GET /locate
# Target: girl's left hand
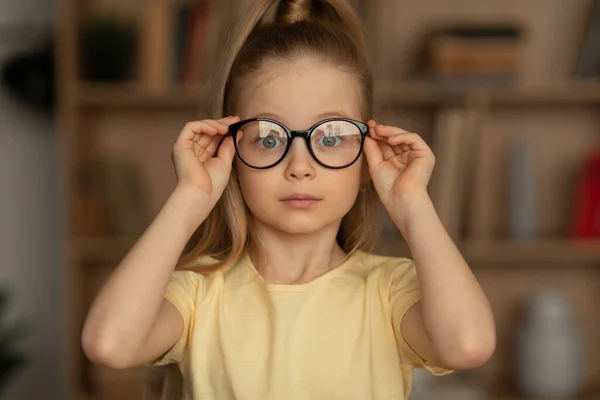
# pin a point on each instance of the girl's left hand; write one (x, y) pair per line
(400, 162)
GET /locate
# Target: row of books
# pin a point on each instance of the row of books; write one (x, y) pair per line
(176, 40)
(180, 39)
(459, 188)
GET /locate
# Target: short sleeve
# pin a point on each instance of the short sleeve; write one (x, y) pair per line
(182, 291)
(404, 293)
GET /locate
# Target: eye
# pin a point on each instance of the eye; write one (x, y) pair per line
(329, 141)
(269, 142)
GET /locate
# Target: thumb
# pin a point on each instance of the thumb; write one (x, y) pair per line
(227, 150)
(373, 153)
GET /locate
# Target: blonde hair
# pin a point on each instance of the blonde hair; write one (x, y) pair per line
(326, 30)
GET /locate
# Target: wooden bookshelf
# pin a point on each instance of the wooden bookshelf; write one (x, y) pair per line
(139, 120)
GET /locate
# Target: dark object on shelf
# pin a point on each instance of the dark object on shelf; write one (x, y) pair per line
(108, 47)
(29, 77)
(12, 359)
(465, 56)
(589, 63)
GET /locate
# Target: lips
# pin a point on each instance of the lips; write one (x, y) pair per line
(300, 201)
(300, 196)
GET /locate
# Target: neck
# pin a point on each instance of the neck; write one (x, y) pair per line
(284, 258)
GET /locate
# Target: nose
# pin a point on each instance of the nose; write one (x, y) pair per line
(300, 163)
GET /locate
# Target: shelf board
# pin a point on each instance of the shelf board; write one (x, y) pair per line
(555, 252)
(476, 252)
(543, 252)
(132, 96)
(392, 94)
(423, 94)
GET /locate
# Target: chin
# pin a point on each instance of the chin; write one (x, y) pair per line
(298, 222)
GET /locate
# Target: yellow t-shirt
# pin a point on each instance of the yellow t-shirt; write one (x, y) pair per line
(336, 337)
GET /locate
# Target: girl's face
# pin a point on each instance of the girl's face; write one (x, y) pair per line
(299, 95)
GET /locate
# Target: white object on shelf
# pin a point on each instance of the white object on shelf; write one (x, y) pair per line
(550, 348)
(427, 386)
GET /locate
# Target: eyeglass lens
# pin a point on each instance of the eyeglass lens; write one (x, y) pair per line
(333, 143)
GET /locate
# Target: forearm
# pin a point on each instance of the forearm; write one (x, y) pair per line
(125, 310)
(455, 311)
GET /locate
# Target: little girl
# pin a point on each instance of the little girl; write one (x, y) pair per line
(276, 295)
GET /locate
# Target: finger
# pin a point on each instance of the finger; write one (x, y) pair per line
(224, 123)
(373, 152)
(222, 127)
(387, 150)
(215, 124)
(388, 131)
(412, 140)
(206, 140)
(201, 127)
(201, 131)
(227, 150)
(229, 120)
(192, 131)
(209, 150)
(372, 131)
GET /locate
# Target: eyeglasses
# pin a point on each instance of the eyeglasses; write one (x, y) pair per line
(334, 142)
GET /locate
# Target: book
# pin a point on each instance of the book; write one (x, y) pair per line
(156, 41)
(451, 145)
(586, 212)
(589, 62)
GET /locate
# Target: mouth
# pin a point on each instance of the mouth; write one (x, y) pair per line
(300, 201)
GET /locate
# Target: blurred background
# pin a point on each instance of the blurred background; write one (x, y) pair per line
(94, 92)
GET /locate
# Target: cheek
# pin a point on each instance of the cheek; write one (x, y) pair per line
(254, 184)
(344, 185)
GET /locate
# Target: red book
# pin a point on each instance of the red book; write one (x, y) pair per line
(586, 222)
(195, 47)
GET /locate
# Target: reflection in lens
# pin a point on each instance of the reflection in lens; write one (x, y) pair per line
(336, 143)
(262, 143)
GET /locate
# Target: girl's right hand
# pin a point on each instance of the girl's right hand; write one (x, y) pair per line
(193, 153)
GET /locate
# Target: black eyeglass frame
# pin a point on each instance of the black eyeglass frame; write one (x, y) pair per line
(364, 131)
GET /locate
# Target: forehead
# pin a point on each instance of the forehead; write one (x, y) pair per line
(300, 93)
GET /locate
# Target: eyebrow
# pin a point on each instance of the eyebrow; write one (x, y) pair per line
(328, 114)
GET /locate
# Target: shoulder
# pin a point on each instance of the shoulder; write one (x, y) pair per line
(206, 271)
(389, 274)
(386, 266)
(195, 273)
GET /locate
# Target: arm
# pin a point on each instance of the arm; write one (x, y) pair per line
(453, 325)
(130, 322)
